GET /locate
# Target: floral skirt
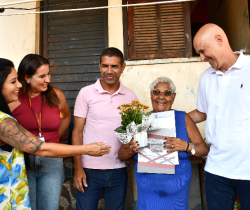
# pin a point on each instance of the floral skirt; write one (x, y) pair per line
(14, 192)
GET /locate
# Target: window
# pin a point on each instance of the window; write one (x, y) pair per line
(158, 31)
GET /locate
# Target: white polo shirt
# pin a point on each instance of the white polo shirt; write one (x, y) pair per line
(225, 98)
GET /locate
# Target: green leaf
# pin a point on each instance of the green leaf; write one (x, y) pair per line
(123, 117)
(2, 190)
(121, 129)
(139, 120)
(128, 121)
(7, 207)
(149, 113)
(124, 123)
(130, 115)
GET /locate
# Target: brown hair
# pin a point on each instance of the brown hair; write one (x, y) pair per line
(28, 66)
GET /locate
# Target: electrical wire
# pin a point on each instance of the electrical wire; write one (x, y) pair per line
(46, 6)
(94, 8)
(18, 2)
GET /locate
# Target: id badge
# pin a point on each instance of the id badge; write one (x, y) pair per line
(42, 138)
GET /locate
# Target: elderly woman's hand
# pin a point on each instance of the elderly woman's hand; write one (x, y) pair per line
(175, 144)
(126, 151)
(133, 145)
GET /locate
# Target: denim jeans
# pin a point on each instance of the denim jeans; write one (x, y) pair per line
(45, 180)
(113, 182)
(221, 192)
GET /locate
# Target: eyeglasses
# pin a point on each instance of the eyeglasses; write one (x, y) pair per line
(166, 93)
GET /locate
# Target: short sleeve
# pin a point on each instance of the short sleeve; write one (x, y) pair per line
(3, 116)
(81, 105)
(201, 102)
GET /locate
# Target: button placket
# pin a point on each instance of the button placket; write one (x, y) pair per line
(111, 100)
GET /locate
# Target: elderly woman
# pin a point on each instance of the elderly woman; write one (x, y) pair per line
(167, 191)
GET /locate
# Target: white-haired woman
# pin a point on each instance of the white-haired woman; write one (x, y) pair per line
(167, 191)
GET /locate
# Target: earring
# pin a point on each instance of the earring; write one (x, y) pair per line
(28, 82)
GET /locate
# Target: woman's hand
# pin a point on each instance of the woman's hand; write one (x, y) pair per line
(175, 144)
(97, 149)
(126, 151)
(133, 145)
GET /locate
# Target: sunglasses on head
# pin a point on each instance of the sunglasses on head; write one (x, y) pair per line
(166, 93)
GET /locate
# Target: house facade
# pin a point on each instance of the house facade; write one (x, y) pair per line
(156, 41)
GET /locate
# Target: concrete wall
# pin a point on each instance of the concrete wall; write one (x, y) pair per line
(185, 75)
(115, 25)
(19, 34)
(233, 17)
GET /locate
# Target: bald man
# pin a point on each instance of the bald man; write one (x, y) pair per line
(224, 102)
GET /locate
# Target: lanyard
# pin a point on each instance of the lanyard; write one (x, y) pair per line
(38, 118)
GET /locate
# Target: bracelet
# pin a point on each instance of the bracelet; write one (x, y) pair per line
(187, 147)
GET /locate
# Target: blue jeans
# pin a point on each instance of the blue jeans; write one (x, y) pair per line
(113, 182)
(221, 192)
(45, 180)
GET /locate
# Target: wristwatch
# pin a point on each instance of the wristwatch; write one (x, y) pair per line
(192, 151)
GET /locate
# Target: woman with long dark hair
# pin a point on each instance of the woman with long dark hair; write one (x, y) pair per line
(14, 139)
(42, 110)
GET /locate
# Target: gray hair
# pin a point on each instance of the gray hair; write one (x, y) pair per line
(162, 79)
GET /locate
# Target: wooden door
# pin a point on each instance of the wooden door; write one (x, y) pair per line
(73, 41)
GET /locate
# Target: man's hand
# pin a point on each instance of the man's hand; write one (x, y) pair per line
(80, 179)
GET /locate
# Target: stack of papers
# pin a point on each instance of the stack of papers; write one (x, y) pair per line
(154, 157)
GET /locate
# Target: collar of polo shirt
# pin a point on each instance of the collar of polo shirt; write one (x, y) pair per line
(238, 64)
(100, 89)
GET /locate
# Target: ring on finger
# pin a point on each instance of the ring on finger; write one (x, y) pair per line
(172, 146)
(131, 147)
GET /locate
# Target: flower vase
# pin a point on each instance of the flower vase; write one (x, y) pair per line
(141, 138)
(123, 137)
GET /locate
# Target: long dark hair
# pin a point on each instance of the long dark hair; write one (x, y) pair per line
(28, 66)
(5, 69)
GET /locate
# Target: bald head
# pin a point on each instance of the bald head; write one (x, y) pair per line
(210, 33)
(212, 44)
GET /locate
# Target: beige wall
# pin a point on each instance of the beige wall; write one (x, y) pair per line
(18, 35)
(185, 76)
(233, 17)
(115, 25)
